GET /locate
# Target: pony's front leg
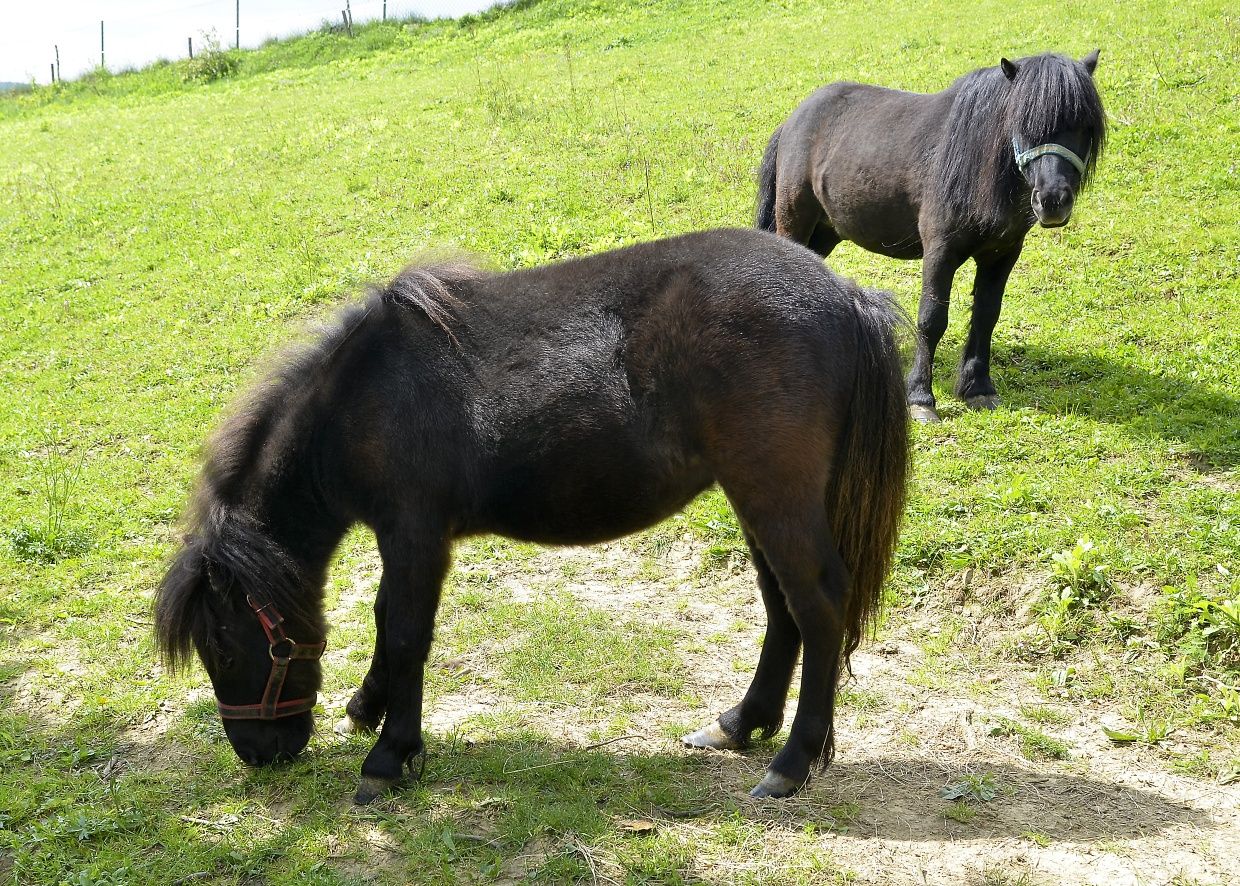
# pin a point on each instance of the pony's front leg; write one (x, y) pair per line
(973, 383)
(413, 573)
(937, 269)
(367, 706)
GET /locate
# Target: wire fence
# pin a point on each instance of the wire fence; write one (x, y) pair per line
(41, 47)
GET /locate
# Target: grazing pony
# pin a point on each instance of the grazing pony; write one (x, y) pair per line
(568, 404)
(959, 174)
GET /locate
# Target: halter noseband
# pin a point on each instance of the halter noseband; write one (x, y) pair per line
(1024, 158)
(282, 651)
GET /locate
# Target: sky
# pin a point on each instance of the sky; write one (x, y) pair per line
(137, 32)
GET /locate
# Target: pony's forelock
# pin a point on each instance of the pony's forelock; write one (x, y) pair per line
(1053, 92)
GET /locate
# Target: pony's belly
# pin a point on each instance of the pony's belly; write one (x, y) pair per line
(896, 249)
(875, 232)
(876, 218)
(590, 504)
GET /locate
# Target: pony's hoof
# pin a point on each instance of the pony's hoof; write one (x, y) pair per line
(983, 402)
(371, 787)
(924, 414)
(776, 786)
(712, 737)
(346, 725)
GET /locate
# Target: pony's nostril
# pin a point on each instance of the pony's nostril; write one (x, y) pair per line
(1052, 202)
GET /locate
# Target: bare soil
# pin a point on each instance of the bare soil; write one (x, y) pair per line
(919, 721)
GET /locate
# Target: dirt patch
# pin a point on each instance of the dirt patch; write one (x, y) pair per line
(924, 711)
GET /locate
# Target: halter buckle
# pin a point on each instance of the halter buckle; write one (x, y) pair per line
(271, 649)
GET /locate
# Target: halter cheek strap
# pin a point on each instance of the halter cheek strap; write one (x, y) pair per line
(283, 651)
(1024, 158)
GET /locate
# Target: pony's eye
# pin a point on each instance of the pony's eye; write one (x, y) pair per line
(217, 647)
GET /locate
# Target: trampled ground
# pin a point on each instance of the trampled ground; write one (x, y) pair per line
(1060, 654)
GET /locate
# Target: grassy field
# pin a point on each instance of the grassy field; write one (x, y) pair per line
(1055, 693)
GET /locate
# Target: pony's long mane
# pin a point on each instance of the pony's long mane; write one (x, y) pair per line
(974, 168)
(228, 552)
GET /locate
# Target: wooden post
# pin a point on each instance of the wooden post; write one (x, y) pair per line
(52, 65)
(385, 10)
(102, 63)
(238, 46)
(57, 47)
(348, 25)
(191, 47)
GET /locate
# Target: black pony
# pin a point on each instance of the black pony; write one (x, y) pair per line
(568, 404)
(959, 174)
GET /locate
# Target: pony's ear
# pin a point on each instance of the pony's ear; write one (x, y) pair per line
(1009, 68)
(1091, 61)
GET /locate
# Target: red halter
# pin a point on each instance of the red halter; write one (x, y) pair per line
(282, 651)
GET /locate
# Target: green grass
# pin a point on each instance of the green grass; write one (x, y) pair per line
(162, 234)
(1034, 743)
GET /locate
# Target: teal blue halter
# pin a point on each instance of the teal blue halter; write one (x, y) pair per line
(1024, 158)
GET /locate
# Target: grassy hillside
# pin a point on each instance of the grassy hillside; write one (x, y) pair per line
(1069, 562)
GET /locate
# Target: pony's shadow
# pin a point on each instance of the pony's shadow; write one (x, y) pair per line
(868, 797)
(1171, 407)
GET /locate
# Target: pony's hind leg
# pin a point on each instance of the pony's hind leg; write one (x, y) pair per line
(365, 709)
(763, 705)
(798, 215)
(815, 584)
(824, 239)
(780, 498)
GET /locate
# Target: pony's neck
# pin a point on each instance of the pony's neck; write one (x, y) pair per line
(274, 466)
(302, 522)
(285, 493)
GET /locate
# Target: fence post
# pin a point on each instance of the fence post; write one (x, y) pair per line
(238, 24)
(57, 47)
(103, 64)
(191, 47)
(52, 65)
(385, 10)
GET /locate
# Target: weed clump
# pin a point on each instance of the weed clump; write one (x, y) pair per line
(1079, 583)
(52, 538)
(1203, 632)
(213, 62)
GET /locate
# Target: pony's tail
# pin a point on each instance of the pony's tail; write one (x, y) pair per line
(865, 497)
(764, 217)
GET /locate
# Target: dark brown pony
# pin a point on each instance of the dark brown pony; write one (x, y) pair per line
(959, 174)
(567, 404)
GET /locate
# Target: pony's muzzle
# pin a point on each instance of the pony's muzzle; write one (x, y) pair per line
(1052, 206)
(262, 743)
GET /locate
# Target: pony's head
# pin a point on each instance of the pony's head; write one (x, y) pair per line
(1057, 129)
(1037, 124)
(234, 597)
